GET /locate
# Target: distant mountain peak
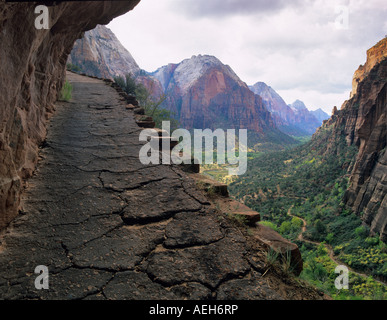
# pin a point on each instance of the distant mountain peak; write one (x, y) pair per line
(298, 105)
(266, 92)
(260, 85)
(320, 114)
(188, 71)
(295, 118)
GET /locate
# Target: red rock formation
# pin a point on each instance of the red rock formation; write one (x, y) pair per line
(31, 75)
(215, 101)
(204, 93)
(362, 122)
(153, 85)
(374, 55)
(367, 194)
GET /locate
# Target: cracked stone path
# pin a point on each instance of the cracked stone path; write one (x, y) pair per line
(108, 227)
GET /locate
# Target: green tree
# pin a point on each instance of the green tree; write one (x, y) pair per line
(285, 227)
(127, 83)
(329, 238)
(120, 81)
(321, 250)
(320, 273)
(130, 84)
(320, 227)
(361, 232)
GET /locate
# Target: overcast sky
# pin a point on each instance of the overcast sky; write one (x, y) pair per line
(304, 49)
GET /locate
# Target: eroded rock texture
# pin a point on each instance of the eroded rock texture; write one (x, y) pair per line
(374, 55)
(31, 75)
(109, 227)
(367, 193)
(362, 123)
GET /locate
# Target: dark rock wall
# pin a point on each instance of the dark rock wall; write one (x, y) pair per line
(32, 72)
(367, 194)
(362, 121)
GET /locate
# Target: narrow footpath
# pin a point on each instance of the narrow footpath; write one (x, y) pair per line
(107, 227)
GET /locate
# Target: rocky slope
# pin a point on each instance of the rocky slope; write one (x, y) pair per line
(362, 123)
(31, 75)
(367, 194)
(99, 53)
(293, 119)
(111, 228)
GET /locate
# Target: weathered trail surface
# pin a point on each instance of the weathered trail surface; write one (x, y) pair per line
(108, 227)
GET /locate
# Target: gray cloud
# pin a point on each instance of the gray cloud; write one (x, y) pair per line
(220, 8)
(293, 46)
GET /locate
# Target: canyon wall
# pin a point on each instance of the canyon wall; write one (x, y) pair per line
(374, 55)
(32, 72)
(205, 93)
(362, 122)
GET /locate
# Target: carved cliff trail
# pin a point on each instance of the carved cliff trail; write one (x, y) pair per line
(108, 227)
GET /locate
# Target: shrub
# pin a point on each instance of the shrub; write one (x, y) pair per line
(361, 232)
(269, 224)
(151, 104)
(66, 92)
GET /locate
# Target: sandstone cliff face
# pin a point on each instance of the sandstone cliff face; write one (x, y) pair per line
(362, 121)
(374, 55)
(31, 75)
(367, 194)
(100, 54)
(205, 93)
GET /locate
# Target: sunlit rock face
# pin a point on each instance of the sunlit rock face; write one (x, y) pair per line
(205, 93)
(374, 55)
